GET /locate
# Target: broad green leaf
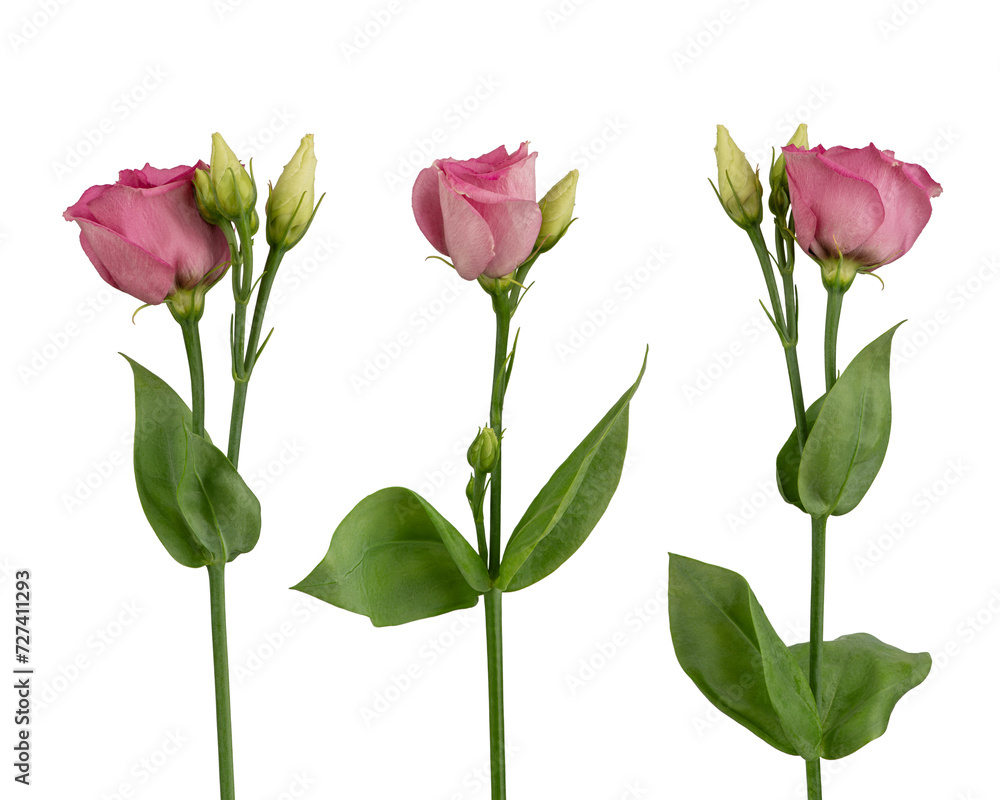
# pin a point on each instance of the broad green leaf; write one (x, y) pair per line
(568, 507)
(727, 646)
(160, 453)
(395, 559)
(847, 443)
(216, 503)
(863, 679)
(790, 456)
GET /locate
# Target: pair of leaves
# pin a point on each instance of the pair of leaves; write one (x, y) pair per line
(726, 645)
(848, 434)
(194, 499)
(395, 559)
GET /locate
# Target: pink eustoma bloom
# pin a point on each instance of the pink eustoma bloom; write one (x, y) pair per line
(481, 213)
(144, 234)
(859, 203)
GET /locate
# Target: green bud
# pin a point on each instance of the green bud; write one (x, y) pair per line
(557, 211)
(739, 186)
(289, 207)
(235, 192)
(204, 195)
(484, 450)
(779, 200)
(470, 489)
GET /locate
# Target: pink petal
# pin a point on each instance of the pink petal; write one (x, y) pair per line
(427, 207)
(515, 225)
(468, 240)
(834, 208)
(906, 203)
(124, 265)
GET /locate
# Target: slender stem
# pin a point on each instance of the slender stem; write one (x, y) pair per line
(787, 322)
(494, 629)
(501, 306)
(274, 257)
(494, 666)
(834, 301)
(192, 344)
(814, 782)
(817, 588)
(220, 659)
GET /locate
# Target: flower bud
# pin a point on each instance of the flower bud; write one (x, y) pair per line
(739, 186)
(289, 207)
(204, 195)
(235, 193)
(484, 450)
(778, 202)
(557, 211)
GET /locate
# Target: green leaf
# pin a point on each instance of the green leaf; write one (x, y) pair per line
(790, 456)
(395, 559)
(727, 646)
(847, 443)
(160, 453)
(216, 503)
(568, 507)
(863, 679)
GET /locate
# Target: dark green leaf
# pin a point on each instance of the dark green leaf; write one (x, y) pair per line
(790, 456)
(727, 646)
(568, 507)
(160, 452)
(395, 559)
(863, 679)
(846, 446)
(216, 503)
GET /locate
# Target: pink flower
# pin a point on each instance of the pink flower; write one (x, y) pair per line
(481, 213)
(862, 203)
(144, 234)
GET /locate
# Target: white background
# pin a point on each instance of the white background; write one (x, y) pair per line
(629, 93)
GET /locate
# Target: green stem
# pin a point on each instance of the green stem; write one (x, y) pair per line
(786, 319)
(192, 344)
(248, 361)
(220, 659)
(834, 301)
(817, 588)
(814, 781)
(494, 666)
(494, 629)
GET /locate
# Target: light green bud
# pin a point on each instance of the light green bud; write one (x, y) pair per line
(235, 192)
(289, 207)
(557, 211)
(779, 201)
(484, 450)
(739, 187)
